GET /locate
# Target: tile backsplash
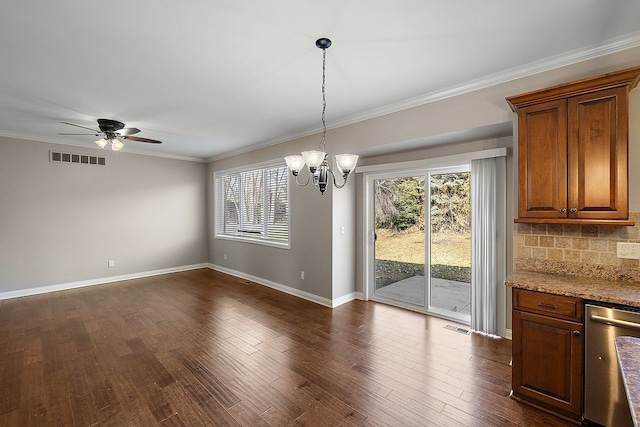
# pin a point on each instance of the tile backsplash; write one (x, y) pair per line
(580, 250)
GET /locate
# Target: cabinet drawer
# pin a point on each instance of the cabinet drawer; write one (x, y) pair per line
(558, 306)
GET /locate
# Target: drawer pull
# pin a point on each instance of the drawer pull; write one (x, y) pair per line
(551, 306)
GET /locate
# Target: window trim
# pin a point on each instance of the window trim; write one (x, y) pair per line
(218, 175)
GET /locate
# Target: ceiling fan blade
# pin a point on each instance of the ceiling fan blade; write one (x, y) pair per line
(128, 131)
(136, 138)
(95, 134)
(83, 127)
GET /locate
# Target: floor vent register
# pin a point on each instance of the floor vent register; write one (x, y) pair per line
(457, 329)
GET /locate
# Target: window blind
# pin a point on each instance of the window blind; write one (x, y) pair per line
(253, 204)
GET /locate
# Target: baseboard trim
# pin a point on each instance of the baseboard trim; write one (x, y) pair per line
(287, 289)
(344, 299)
(100, 281)
(111, 279)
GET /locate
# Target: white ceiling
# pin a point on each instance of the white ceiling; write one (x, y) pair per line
(214, 77)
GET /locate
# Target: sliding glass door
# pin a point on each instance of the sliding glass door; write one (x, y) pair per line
(450, 244)
(421, 239)
(400, 239)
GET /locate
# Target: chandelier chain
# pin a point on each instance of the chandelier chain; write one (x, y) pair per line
(324, 100)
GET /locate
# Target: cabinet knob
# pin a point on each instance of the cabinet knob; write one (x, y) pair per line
(563, 210)
(574, 210)
(577, 333)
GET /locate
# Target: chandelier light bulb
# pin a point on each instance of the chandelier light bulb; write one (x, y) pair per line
(295, 163)
(313, 158)
(346, 162)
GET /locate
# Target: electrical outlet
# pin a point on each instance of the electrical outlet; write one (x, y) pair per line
(111, 263)
(628, 250)
(225, 257)
(302, 275)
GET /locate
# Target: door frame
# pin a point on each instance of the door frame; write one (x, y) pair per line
(369, 229)
(413, 165)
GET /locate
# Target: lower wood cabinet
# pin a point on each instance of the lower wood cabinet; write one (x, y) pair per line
(548, 347)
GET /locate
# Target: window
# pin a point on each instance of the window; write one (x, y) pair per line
(253, 204)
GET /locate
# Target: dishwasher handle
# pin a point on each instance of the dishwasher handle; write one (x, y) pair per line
(615, 322)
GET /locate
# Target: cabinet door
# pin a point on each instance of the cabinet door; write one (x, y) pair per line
(547, 361)
(542, 160)
(598, 127)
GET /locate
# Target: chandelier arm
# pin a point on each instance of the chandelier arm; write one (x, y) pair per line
(305, 184)
(335, 184)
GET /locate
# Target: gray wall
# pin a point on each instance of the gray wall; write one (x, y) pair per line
(61, 223)
(314, 232)
(311, 219)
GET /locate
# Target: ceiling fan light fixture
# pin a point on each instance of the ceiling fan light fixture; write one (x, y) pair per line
(102, 143)
(116, 144)
(113, 132)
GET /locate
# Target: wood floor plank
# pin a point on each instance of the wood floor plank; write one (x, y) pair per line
(319, 404)
(84, 413)
(159, 404)
(79, 334)
(11, 385)
(32, 381)
(32, 346)
(204, 348)
(214, 386)
(50, 352)
(274, 407)
(98, 382)
(245, 416)
(57, 398)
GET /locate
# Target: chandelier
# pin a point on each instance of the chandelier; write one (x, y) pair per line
(316, 160)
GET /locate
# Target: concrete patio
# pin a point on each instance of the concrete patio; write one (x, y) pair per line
(445, 294)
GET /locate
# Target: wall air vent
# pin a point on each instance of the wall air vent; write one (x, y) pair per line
(80, 159)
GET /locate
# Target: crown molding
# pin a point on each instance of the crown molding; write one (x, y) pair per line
(608, 47)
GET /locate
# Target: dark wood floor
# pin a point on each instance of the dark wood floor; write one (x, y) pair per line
(201, 348)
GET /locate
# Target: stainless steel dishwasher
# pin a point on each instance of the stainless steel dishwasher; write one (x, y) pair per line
(605, 401)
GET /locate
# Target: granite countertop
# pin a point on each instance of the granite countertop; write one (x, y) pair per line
(628, 349)
(603, 290)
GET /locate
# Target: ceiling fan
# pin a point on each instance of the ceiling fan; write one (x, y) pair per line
(112, 132)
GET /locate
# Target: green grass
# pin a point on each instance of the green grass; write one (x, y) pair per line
(446, 249)
(401, 255)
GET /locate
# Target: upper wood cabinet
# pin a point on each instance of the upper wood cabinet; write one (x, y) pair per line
(573, 150)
